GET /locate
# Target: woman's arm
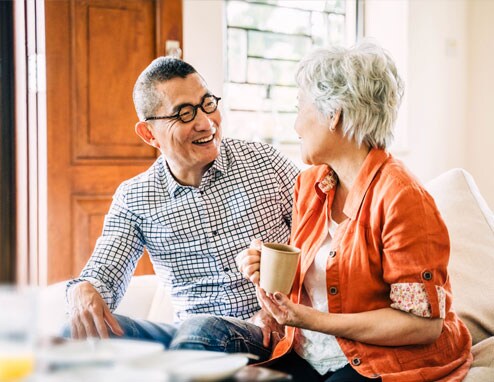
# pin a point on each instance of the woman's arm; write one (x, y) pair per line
(383, 327)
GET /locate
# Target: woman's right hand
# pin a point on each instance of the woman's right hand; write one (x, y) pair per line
(249, 261)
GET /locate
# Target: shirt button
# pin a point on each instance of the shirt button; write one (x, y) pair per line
(332, 254)
(226, 269)
(214, 233)
(333, 290)
(427, 275)
(356, 361)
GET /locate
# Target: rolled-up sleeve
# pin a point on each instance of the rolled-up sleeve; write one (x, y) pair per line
(415, 254)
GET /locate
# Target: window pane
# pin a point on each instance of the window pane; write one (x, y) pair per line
(313, 5)
(336, 26)
(287, 131)
(272, 45)
(284, 98)
(266, 40)
(268, 18)
(271, 71)
(328, 29)
(237, 55)
(244, 96)
(335, 6)
(241, 125)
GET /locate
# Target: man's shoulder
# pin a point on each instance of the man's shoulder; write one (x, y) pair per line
(145, 181)
(251, 154)
(252, 149)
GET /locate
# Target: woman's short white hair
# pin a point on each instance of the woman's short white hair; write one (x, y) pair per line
(362, 82)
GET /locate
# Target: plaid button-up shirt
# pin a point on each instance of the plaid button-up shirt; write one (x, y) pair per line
(193, 234)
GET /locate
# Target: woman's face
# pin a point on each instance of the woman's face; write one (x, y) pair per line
(313, 130)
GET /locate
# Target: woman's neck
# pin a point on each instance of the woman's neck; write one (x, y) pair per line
(347, 167)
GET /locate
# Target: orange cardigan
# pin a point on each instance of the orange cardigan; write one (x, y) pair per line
(394, 234)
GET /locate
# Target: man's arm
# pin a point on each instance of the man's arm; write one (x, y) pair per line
(105, 278)
(286, 173)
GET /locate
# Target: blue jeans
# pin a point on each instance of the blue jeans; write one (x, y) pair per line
(204, 332)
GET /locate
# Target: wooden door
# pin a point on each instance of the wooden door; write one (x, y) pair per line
(95, 49)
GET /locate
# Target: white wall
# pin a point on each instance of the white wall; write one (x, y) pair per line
(480, 103)
(446, 47)
(204, 48)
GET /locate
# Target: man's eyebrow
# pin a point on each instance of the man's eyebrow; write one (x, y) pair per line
(179, 106)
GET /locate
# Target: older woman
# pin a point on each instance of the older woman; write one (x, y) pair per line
(372, 298)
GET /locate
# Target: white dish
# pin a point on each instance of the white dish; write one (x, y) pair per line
(104, 351)
(194, 365)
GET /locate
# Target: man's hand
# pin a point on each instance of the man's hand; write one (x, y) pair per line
(284, 311)
(249, 261)
(89, 315)
(272, 332)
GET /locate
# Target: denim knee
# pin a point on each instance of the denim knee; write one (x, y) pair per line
(203, 333)
(225, 334)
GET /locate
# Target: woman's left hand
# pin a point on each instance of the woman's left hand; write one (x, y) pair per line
(283, 310)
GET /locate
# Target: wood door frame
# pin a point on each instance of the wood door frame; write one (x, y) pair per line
(30, 122)
(7, 145)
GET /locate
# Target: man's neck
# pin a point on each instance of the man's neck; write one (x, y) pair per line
(188, 177)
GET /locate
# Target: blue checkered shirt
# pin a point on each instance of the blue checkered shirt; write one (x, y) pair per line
(193, 234)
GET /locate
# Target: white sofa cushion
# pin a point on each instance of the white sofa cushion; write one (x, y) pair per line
(470, 224)
(143, 299)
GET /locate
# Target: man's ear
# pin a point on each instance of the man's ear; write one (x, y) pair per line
(142, 129)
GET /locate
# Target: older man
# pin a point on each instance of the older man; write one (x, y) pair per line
(202, 201)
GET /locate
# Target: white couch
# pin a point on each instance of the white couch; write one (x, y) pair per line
(471, 227)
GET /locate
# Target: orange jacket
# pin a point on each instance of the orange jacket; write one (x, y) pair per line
(394, 234)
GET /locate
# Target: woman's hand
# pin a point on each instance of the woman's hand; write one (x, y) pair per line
(283, 310)
(249, 261)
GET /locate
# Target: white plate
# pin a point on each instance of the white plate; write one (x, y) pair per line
(194, 365)
(98, 351)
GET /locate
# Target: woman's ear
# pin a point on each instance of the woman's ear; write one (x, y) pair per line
(334, 120)
(142, 130)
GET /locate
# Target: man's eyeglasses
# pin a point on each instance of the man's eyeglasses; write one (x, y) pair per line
(187, 113)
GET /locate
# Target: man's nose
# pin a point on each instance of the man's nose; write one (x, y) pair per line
(202, 121)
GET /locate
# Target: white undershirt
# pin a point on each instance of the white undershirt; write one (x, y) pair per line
(320, 350)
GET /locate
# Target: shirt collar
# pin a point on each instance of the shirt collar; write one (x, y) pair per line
(220, 166)
(326, 184)
(372, 163)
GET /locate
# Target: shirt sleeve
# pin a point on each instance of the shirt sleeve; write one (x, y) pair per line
(416, 254)
(116, 253)
(286, 173)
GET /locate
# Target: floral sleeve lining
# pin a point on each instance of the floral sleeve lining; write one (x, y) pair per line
(412, 298)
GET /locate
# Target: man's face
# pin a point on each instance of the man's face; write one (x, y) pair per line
(188, 147)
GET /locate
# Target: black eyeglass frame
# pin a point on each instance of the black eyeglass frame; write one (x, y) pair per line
(194, 108)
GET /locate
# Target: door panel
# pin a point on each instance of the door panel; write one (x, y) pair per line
(111, 40)
(95, 49)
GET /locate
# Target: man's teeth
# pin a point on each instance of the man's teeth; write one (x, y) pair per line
(205, 140)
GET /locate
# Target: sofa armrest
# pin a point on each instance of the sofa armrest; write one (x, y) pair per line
(136, 304)
(482, 369)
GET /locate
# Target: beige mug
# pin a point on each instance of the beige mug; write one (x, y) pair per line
(278, 267)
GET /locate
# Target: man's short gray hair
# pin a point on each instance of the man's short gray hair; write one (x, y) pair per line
(147, 98)
(362, 82)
